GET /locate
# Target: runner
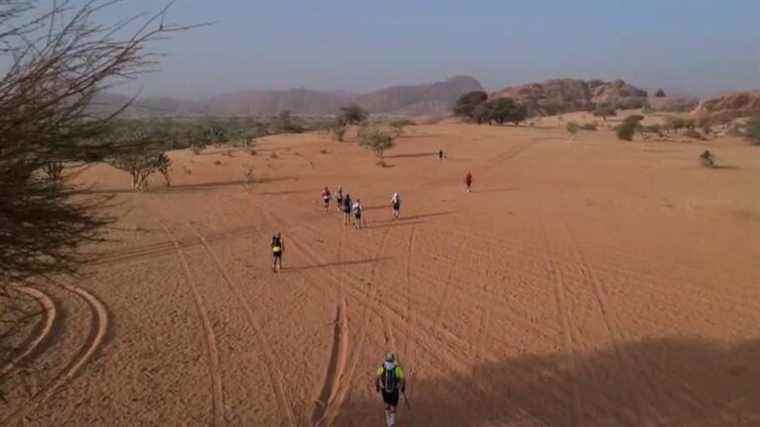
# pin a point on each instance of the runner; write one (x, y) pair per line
(278, 247)
(358, 210)
(326, 197)
(390, 380)
(339, 198)
(396, 205)
(440, 154)
(468, 181)
(347, 205)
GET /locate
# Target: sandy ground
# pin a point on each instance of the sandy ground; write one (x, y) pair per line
(586, 283)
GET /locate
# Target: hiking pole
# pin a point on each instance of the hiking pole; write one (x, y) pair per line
(406, 401)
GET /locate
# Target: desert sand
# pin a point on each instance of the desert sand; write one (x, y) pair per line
(584, 283)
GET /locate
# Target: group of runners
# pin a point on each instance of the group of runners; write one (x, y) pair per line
(353, 210)
(390, 380)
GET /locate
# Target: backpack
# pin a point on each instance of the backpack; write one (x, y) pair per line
(389, 380)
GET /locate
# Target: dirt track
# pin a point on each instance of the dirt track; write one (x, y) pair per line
(584, 283)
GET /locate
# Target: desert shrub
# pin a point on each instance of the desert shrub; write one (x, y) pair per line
(708, 159)
(467, 103)
(654, 128)
(693, 133)
(752, 130)
(604, 111)
(339, 132)
(252, 152)
(217, 163)
(572, 128)
(375, 139)
(589, 126)
(647, 109)
(398, 126)
(659, 94)
(141, 165)
(352, 115)
(197, 148)
(249, 176)
(629, 127)
(323, 151)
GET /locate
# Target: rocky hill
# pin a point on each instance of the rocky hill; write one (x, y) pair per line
(730, 106)
(567, 95)
(433, 98)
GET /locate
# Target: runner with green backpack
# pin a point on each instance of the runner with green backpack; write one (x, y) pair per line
(389, 382)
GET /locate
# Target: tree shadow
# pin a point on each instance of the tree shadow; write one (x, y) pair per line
(202, 186)
(387, 224)
(335, 264)
(674, 381)
(410, 155)
(495, 190)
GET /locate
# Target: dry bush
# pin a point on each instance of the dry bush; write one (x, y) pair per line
(693, 133)
(218, 162)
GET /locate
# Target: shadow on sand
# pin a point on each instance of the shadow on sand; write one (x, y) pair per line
(203, 186)
(335, 264)
(674, 382)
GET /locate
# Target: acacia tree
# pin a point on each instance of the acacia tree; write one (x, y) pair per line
(467, 104)
(375, 139)
(352, 115)
(54, 62)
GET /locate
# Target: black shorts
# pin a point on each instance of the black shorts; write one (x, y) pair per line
(277, 254)
(396, 206)
(390, 399)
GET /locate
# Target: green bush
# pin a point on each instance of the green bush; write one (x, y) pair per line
(572, 128)
(375, 139)
(629, 127)
(752, 131)
(467, 103)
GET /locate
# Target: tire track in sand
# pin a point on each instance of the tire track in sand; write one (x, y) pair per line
(275, 378)
(325, 408)
(212, 351)
(564, 320)
(50, 314)
(98, 329)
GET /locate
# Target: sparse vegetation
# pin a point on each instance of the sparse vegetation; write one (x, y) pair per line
(398, 126)
(694, 134)
(506, 110)
(339, 132)
(54, 171)
(589, 126)
(375, 139)
(604, 111)
(660, 93)
(572, 129)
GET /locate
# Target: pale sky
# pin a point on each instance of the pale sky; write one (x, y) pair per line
(696, 46)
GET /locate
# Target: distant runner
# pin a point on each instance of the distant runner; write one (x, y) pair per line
(468, 181)
(339, 198)
(358, 210)
(347, 205)
(326, 197)
(440, 154)
(278, 247)
(389, 381)
(396, 205)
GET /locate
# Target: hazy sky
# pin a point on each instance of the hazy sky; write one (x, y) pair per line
(699, 46)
